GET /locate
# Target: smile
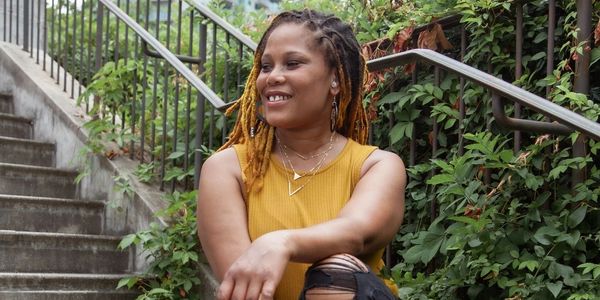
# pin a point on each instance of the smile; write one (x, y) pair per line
(278, 98)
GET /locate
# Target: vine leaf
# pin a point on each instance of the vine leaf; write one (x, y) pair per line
(577, 216)
(544, 231)
(554, 288)
(556, 270)
(441, 179)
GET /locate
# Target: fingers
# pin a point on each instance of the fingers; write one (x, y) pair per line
(254, 290)
(240, 290)
(226, 289)
(268, 290)
(231, 289)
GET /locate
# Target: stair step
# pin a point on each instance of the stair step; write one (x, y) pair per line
(59, 281)
(22, 251)
(27, 213)
(26, 152)
(37, 181)
(67, 295)
(17, 127)
(6, 104)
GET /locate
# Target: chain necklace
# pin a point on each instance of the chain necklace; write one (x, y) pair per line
(311, 156)
(286, 161)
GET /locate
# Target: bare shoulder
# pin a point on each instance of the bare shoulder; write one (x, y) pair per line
(222, 166)
(383, 160)
(223, 161)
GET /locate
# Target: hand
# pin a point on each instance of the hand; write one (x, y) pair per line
(257, 272)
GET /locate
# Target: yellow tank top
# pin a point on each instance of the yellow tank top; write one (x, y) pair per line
(319, 200)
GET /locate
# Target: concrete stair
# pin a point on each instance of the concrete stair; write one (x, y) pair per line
(66, 295)
(51, 242)
(37, 181)
(13, 126)
(42, 214)
(26, 152)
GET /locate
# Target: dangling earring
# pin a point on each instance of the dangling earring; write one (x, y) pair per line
(254, 129)
(259, 118)
(334, 114)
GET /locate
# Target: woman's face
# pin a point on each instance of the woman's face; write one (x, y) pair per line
(295, 80)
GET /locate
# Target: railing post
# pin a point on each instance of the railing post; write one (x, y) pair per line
(200, 110)
(518, 68)
(98, 53)
(25, 25)
(582, 75)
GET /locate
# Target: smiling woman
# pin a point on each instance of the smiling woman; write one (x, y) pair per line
(295, 81)
(295, 186)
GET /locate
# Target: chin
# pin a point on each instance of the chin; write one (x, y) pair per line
(277, 120)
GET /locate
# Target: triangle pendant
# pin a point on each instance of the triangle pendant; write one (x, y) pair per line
(297, 176)
(290, 192)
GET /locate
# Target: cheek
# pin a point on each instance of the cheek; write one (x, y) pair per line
(260, 82)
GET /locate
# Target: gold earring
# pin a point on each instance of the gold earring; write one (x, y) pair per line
(334, 114)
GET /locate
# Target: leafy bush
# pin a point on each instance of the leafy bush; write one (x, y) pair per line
(172, 252)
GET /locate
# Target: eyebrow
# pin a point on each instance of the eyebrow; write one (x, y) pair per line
(289, 53)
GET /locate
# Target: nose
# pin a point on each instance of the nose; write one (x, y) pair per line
(275, 77)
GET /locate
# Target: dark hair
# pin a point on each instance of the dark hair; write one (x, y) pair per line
(342, 52)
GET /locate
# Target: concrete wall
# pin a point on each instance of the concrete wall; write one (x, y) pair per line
(58, 120)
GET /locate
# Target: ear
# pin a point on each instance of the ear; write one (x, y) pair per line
(334, 87)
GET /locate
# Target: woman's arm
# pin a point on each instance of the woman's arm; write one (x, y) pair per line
(221, 211)
(367, 223)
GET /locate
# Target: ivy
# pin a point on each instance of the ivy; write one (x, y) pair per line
(482, 222)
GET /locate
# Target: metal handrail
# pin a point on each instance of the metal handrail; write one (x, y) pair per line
(207, 12)
(183, 58)
(497, 86)
(194, 80)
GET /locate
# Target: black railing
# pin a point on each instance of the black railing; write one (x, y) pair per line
(170, 55)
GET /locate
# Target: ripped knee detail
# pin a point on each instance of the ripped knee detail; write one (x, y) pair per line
(344, 274)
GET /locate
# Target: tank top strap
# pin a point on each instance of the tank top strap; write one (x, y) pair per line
(358, 154)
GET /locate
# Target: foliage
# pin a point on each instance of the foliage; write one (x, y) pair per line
(172, 252)
(483, 221)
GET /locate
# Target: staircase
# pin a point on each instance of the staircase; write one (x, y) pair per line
(51, 243)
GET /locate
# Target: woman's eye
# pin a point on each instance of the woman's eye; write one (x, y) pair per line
(265, 68)
(293, 63)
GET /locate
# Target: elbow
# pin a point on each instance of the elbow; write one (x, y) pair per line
(356, 244)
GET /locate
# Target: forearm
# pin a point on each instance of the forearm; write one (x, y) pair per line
(368, 221)
(336, 236)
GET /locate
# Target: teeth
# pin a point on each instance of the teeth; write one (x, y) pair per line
(278, 98)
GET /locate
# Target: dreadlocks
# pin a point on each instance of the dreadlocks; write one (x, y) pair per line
(342, 52)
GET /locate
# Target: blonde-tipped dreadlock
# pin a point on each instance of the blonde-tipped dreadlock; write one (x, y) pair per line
(343, 53)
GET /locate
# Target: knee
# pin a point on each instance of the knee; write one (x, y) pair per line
(343, 277)
(341, 262)
(334, 275)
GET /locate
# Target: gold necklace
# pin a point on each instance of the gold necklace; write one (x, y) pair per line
(297, 176)
(283, 147)
(311, 156)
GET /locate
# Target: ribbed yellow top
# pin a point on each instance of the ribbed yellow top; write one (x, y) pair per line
(319, 200)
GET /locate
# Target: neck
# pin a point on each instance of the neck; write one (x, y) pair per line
(307, 142)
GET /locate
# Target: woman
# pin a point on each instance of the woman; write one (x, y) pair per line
(294, 186)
